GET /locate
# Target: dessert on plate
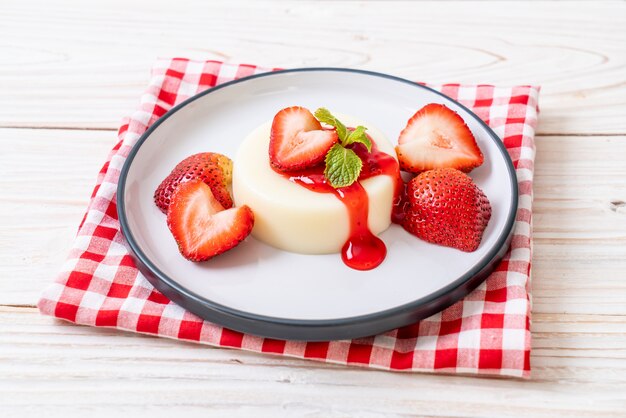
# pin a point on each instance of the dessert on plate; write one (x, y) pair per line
(296, 206)
(317, 183)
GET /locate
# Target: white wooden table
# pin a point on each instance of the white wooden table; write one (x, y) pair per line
(70, 70)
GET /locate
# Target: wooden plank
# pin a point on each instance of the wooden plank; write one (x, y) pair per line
(73, 64)
(579, 257)
(46, 179)
(580, 239)
(126, 371)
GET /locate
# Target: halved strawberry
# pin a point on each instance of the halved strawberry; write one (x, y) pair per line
(297, 140)
(445, 207)
(216, 170)
(200, 226)
(437, 137)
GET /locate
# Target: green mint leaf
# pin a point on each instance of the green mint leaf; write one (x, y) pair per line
(323, 115)
(359, 135)
(343, 166)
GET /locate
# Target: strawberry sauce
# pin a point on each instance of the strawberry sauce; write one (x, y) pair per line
(363, 250)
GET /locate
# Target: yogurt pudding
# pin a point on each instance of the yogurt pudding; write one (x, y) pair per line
(300, 212)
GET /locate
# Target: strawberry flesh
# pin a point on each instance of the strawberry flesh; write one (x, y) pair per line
(445, 207)
(437, 137)
(215, 170)
(297, 140)
(200, 225)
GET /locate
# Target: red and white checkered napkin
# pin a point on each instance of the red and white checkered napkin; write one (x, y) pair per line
(487, 333)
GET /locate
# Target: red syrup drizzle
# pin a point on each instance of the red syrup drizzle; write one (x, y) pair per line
(363, 250)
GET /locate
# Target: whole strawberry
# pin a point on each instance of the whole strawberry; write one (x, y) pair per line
(215, 170)
(445, 207)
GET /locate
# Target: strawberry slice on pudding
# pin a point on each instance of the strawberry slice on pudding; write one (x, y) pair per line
(297, 140)
(437, 137)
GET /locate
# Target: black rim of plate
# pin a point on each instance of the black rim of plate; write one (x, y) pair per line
(326, 329)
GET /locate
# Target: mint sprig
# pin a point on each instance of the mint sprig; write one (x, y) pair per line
(359, 135)
(343, 166)
(323, 115)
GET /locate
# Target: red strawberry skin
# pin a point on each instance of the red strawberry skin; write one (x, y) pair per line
(297, 140)
(216, 170)
(200, 227)
(437, 137)
(445, 207)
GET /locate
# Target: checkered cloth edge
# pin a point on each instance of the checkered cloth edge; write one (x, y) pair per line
(488, 332)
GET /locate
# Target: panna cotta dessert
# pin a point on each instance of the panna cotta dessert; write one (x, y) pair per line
(291, 216)
(318, 189)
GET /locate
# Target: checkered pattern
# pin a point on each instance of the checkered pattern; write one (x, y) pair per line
(486, 333)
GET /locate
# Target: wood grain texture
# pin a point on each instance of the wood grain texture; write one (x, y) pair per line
(102, 368)
(68, 64)
(46, 179)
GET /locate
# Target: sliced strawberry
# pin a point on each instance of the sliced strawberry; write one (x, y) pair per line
(200, 226)
(297, 140)
(216, 170)
(437, 137)
(445, 207)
